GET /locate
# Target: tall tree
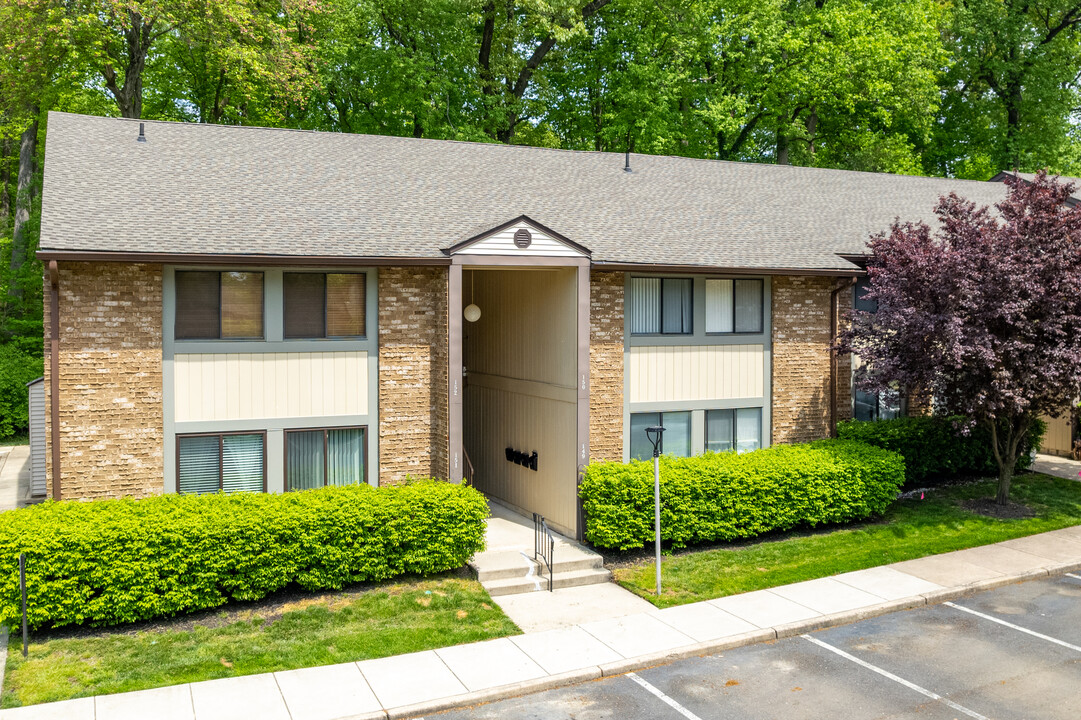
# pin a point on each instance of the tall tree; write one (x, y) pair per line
(1010, 96)
(983, 315)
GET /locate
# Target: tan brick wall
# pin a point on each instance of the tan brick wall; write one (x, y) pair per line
(606, 366)
(110, 384)
(413, 360)
(801, 359)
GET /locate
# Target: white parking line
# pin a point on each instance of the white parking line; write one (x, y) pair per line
(895, 678)
(667, 700)
(1033, 633)
(1075, 577)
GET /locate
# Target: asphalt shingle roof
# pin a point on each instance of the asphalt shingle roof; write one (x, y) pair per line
(232, 190)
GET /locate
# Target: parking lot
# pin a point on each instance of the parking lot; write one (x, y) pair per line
(1009, 653)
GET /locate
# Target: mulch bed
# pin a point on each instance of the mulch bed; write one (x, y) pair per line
(989, 508)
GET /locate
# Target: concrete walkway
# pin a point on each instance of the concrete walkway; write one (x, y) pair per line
(1057, 466)
(15, 477)
(425, 682)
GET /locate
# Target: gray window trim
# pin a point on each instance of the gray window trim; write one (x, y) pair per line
(273, 321)
(698, 407)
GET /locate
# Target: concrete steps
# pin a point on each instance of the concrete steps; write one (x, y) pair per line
(508, 572)
(572, 578)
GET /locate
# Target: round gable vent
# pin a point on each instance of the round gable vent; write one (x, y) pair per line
(522, 238)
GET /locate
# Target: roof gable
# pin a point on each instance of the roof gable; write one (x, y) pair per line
(520, 236)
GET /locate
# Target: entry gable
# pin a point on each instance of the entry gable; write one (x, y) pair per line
(520, 236)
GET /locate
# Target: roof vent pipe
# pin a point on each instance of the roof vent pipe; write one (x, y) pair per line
(627, 162)
(142, 134)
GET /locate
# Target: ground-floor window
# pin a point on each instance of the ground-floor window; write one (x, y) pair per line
(675, 441)
(324, 456)
(875, 406)
(232, 462)
(739, 430)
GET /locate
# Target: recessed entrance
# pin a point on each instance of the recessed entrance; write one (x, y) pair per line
(520, 405)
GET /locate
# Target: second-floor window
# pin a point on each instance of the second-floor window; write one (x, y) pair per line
(733, 306)
(324, 305)
(661, 306)
(218, 305)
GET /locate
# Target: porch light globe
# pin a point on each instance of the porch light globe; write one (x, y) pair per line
(471, 312)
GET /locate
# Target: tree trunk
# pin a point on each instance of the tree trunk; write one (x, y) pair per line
(5, 181)
(1013, 124)
(24, 198)
(782, 149)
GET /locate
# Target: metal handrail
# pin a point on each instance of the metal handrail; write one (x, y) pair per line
(544, 545)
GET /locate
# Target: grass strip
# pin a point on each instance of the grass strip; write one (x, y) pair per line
(909, 529)
(304, 631)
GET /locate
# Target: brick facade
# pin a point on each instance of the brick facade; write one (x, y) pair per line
(606, 366)
(413, 365)
(110, 385)
(801, 360)
(844, 360)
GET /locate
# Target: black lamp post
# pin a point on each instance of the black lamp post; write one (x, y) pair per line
(654, 433)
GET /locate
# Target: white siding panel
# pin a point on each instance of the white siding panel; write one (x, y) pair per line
(502, 243)
(37, 438)
(695, 372)
(245, 386)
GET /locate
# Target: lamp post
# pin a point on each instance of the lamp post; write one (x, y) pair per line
(654, 433)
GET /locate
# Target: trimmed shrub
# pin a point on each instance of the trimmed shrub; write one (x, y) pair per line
(938, 446)
(108, 562)
(726, 496)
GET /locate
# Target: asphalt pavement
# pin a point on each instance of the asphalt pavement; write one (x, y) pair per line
(1004, 654)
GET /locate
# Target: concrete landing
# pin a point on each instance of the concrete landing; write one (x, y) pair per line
(507, 566)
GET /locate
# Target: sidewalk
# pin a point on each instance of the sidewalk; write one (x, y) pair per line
(425, 682)
(1057, 466)
(15, 477)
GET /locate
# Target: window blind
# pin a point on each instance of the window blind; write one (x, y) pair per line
(198, 305)
(304, 450)
(345, 456)
(645, 306)
(345, 305)
(242, 463)
(305, 295)
(676, 305)
(720, 430)
(198, 464)
(748, 429)
(241, 305)
(719, 310)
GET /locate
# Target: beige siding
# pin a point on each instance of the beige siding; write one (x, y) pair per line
(695, 372)
(502, 243)
(242, 386)
(520, 388)
(1057, 440)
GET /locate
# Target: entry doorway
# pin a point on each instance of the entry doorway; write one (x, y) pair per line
(520, 370)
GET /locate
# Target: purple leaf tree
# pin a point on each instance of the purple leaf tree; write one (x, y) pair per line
(983, 314)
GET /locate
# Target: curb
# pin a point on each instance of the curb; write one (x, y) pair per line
(622, 667)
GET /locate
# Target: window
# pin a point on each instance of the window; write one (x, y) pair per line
(233, 462)
(331, 456)
(734, 306)
(739, 430)
(218, 305)
(661, 306)
(321, 305)
(676, 439)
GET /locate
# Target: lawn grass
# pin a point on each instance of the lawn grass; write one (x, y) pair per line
(910, 529)
(20, 439)
(302, 631)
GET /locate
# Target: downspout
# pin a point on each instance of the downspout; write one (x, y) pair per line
(838, 287)
(54, 372)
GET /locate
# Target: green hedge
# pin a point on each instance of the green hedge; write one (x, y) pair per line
(938, 446)
(727, 496)
(117, 561)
